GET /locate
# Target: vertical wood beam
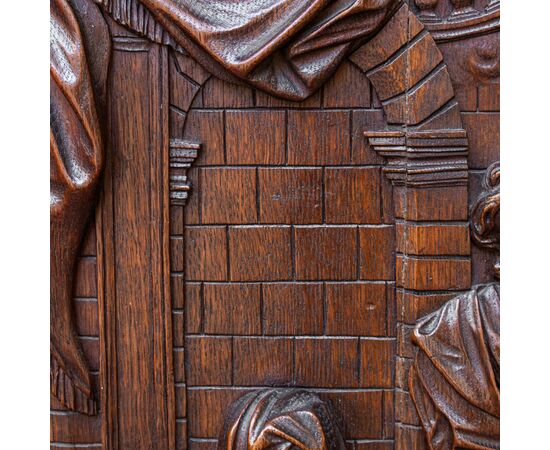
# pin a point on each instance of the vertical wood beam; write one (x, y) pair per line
(137, 380)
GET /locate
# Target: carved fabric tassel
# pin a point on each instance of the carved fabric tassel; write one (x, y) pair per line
(70, 395)
(132, 14)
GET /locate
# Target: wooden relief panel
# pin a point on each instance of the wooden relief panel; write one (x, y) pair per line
(284, 219)
(284, 255)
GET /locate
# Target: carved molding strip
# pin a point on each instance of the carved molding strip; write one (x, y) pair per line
(182, 155)
(463, 21)
(280, 418)
(131, 44)
(423, 158)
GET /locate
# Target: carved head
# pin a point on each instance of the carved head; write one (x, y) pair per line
(280, 419)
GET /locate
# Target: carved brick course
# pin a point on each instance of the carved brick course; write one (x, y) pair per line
(269, 232)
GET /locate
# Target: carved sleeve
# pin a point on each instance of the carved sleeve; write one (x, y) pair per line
(454, 381)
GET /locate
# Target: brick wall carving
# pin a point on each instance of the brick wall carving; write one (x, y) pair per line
(265, 290)
(277, 207)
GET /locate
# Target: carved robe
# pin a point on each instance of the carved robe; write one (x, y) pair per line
(285, 47)
(455, 381)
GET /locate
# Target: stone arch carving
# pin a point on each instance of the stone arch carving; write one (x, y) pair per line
(426, 149)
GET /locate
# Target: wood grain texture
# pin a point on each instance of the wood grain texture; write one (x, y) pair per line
(135, 303)
(77, 89)
(314, 231)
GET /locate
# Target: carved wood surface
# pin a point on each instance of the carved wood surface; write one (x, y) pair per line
(76, 161)
(245, 240)
(279, 418)
(455, 378)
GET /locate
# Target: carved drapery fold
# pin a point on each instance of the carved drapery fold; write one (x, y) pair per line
(455, 381)
(76, 161)
(286, 48)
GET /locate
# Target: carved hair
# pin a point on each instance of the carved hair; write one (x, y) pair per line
(485, 211)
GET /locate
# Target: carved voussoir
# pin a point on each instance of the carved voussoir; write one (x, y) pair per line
(279, 419)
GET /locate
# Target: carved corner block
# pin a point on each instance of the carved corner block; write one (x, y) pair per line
(182, 155)
(280, 418)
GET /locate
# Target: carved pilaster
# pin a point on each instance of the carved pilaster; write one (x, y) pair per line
(458, 350)
(429, 172)
(182, 155)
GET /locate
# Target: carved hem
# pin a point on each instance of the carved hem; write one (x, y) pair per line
(66, 391)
